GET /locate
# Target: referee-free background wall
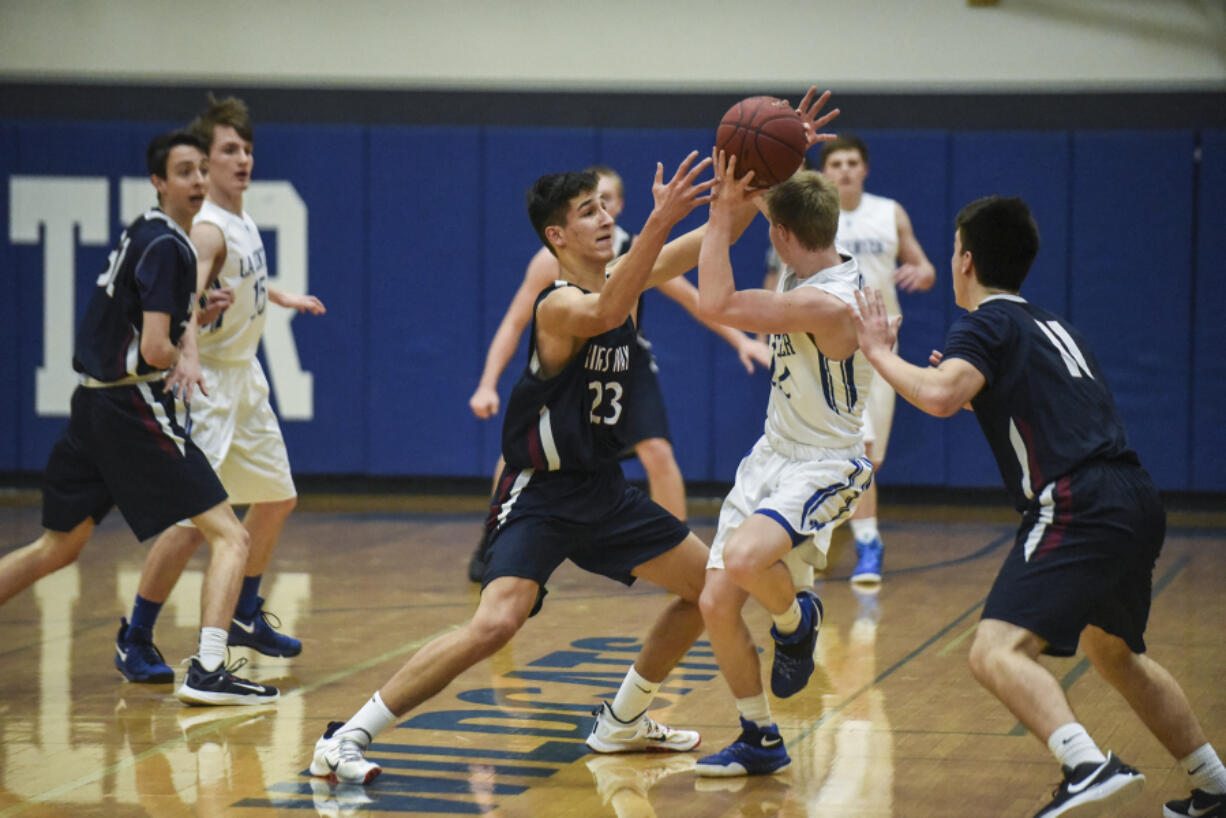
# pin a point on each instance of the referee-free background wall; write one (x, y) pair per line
(394, 146)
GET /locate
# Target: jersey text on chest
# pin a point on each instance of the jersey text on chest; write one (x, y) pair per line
(781, 346)
(252, 264)
(607, 359)
(863, 247)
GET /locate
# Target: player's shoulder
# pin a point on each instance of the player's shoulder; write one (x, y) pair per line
(154, 226)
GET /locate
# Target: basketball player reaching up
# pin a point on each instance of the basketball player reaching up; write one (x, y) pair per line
(1081, 566)
(234, 423)
(650, 439)
(807, 471)
(124, 445)
(562, 494)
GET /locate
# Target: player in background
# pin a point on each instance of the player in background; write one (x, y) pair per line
(878, 232)
(1081, 566)
(563, 494)
(650, 439)
(233, 424)
(124, 444)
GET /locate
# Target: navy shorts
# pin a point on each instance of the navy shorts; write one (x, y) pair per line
(123, 446)
(1084, 555)
(595, 519)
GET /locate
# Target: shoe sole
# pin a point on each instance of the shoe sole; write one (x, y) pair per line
(158, 679)
(711, 771)
(1121, 793)
(208, 698)
(866, 579)
(264, 651)
(616, 749)
(331, 777)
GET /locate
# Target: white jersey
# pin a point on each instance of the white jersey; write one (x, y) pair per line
(816, 402)
(235, 336)
(870, 233)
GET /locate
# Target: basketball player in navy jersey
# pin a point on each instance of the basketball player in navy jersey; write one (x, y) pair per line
(124, 444)
(562, 494)
(1092, 523)
(650, 438)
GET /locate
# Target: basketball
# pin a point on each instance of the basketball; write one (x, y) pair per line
(766, 135)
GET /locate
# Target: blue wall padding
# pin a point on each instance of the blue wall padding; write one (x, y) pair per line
(1208, 381)
(1035, 166)
(1131, 269)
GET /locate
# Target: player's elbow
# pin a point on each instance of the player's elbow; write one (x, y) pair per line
(943, 403)
(158, 353)
(712, 308)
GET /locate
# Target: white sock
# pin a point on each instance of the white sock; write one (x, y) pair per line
(212, 650)
(371, 719)
(788, 621)
(1206, 769)
(864, 529)
(755, 709)
(1072, 745)
(633, 697)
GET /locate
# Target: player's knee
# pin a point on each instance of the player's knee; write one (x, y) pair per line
(492, 632)
(713, 605)
(1109, 654)
(59, 551)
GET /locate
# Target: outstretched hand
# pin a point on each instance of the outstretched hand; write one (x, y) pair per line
(808, 109)
(681, 194)
(730, 193)
(875, 330)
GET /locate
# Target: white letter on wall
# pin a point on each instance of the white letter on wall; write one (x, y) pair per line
(57, 205)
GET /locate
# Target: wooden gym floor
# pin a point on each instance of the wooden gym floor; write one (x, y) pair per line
(891, 725)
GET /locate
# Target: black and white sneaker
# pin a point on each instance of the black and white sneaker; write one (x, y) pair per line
(1199, 804)
(1090, 788)
(221, 686)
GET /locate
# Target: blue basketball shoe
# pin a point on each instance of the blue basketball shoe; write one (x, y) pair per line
(259, 633)
(756, 751)
(138, 659)
(794, 653)
(868, 561)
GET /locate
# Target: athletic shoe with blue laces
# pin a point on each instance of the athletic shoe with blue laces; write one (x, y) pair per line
(756, 751)
(138, 659)
(794, 653)
(868, 561)
(259, 633)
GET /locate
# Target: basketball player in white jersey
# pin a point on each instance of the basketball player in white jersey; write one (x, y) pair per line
(234, 424)
(878, 232)
(807, 471)
(652, 445)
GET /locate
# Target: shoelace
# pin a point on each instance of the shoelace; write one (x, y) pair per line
(654, 729)
(242, 660)
(270, 619)
(350, 750)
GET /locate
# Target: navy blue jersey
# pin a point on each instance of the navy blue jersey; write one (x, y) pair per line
(1046, 408)
(152, 269)
(579, 419)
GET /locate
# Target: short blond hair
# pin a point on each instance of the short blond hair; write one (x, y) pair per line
(807, 204)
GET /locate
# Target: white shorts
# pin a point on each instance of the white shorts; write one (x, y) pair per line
(237, 430)
(808, 491)
(879, 415)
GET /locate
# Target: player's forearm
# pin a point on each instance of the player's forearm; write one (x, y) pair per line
(925, 388)
(278, 297)
(502, 348)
